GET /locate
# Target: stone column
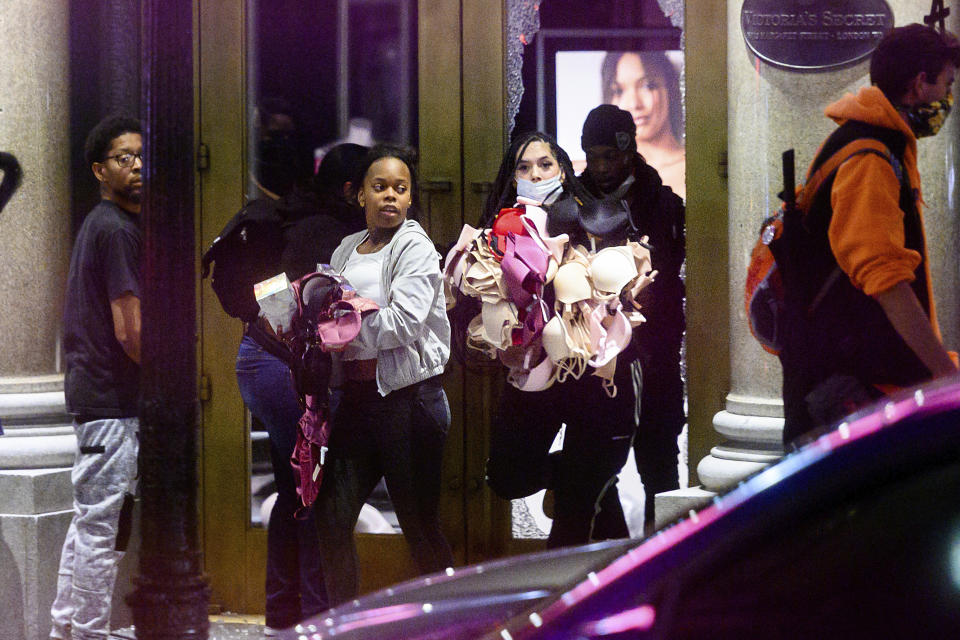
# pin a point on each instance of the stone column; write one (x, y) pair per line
(37, 448)
(34, 126)
(771, 110)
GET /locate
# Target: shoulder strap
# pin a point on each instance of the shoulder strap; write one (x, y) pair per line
(262, 211)
(817, 178)
(830, 166)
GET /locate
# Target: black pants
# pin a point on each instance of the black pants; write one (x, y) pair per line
(661, 420)
(400, 438)
(599, 430)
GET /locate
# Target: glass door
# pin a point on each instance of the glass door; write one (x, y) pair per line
(320, 75)
(314, 74)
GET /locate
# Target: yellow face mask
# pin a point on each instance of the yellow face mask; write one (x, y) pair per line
(927, 119)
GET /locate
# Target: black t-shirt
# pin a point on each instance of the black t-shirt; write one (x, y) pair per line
(101, 379)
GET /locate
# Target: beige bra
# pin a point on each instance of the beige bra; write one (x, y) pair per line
(564, 350)
(499, 319)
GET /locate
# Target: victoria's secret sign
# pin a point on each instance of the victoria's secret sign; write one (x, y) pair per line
(814, 34)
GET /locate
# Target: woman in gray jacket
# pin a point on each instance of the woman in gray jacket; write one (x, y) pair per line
(392, 417)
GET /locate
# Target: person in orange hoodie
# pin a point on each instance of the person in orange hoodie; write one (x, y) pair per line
(861, 316)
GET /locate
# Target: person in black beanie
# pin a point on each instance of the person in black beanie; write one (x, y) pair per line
(617, 172)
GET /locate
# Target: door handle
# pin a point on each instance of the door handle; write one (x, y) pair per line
(473, 485)
(481, 187)
(436, 186)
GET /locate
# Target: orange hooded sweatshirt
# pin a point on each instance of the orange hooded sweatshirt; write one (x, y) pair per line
(866, 230)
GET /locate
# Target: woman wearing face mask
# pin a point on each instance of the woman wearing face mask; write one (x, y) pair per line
(599, 428)
(645, 84)
(393, 416)
(537, 169)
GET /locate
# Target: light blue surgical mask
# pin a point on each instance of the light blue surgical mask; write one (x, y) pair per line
(544, 192)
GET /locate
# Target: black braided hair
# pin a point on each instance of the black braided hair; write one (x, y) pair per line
(504, 192)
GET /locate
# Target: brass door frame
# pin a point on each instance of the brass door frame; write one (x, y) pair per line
(478, 76)
(441, 150)
(234, 552)
(708, 322)
(485, 141)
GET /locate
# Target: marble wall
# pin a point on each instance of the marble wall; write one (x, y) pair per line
(38, 446)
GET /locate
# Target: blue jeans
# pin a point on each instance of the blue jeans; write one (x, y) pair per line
(295, 588)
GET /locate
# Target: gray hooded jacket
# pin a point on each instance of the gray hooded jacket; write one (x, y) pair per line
(411, 333)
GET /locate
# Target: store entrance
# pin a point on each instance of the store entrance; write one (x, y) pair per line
(358, 71)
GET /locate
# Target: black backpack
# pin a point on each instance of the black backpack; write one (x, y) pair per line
(12, 176)
(792, 245)
(246, 251)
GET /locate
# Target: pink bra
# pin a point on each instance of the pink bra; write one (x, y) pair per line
(328, 310)
(529, 368)
(613, 331)
(341, 325)
(524, 266)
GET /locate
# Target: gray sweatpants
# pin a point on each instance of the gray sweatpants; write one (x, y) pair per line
(104, 479)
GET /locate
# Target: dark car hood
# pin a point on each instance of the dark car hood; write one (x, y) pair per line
(604, 590)
(463, 602)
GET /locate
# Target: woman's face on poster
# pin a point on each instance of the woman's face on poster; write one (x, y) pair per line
(643, 96)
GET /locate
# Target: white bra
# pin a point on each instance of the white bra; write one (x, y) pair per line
(611, 269)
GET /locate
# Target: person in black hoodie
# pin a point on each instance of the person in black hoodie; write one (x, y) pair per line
(316, 215)
(617, 172)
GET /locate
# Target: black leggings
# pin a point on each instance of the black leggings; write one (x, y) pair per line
(661, 421)
(400, 438)
(599, 431)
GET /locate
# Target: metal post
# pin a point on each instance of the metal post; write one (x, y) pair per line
(171, 594)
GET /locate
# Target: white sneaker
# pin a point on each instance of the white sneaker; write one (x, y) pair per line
(270, 632)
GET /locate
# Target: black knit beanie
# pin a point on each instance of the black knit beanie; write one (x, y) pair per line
(609, 126)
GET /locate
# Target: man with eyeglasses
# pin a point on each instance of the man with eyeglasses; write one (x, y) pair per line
(101, 342)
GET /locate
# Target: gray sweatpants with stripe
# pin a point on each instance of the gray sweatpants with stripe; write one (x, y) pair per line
(104, 475)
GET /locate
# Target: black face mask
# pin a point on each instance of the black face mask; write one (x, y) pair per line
(926, 119)
(278, 162)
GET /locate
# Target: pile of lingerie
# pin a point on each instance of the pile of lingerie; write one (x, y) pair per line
(512, 265)
(328, 316)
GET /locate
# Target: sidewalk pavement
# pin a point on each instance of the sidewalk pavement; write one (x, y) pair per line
(225, 626)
